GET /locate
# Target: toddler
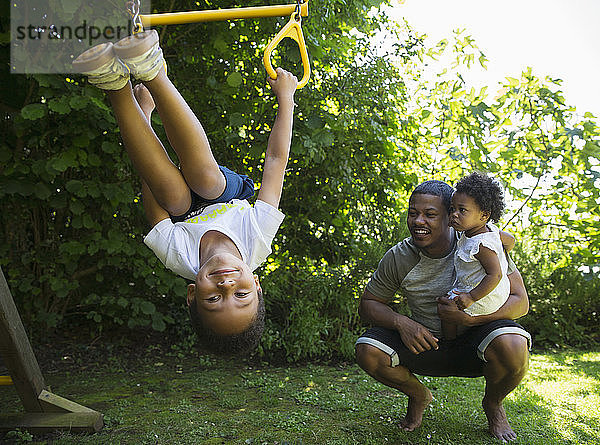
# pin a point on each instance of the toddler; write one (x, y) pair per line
(482, 284)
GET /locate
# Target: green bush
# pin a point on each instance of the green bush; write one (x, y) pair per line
(312, 313)
(564, 304)
(71, 226)
(72, 219)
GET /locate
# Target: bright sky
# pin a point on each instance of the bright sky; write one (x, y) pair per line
(559, 38)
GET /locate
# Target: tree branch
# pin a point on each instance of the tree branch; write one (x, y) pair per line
(84, 272)
(537, 182)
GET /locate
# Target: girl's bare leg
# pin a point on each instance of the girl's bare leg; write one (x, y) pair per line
(154, 212)
(188, 139)
(148, 155)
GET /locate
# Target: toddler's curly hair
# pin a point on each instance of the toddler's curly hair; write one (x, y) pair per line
(486, 191)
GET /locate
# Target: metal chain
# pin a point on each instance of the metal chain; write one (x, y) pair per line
(133, 7)
(297, 12)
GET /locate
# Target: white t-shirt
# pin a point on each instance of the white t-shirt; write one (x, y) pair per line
(251, 228)
(470, 272)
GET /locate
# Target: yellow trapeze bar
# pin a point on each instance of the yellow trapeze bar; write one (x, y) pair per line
(292, 30)
(5, 380)
(214, 15)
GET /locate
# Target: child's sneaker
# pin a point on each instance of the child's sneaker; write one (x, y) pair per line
(102, 67)
(142, 54)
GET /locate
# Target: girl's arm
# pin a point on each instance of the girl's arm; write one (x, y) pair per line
(516, 306)
(493, 273)
(280, 139)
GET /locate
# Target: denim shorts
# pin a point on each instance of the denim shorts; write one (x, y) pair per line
(461, 357)
(237, 187)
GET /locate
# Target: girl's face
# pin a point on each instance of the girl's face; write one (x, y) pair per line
(466, 216)
(225, 294)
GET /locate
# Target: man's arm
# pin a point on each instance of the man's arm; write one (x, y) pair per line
(515, 307)
(280, 139)
(415, 336)
(508, 241)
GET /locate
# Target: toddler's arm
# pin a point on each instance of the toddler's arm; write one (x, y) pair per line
(508, 241)
(280, 139)
(515, 307)
(493, 274)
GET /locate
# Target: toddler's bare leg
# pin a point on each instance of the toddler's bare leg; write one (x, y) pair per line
(187, 138)
(449, 330)
(148, 155)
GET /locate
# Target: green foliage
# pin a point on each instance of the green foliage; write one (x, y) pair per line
(72, 228)
(370, 125)
(546, 154)
(564, 306)
(312, 312)
(19, 437)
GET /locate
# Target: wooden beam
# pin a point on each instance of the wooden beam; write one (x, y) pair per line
(51, 403)
(46, 412)
(16, 352)
(39, 423)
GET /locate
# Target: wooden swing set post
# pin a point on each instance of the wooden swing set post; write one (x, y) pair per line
(44, 411)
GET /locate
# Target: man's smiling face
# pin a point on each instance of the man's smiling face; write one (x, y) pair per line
(427, 222)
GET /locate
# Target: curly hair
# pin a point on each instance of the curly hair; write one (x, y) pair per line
(234, 344)
(435, 188)
(486, 191)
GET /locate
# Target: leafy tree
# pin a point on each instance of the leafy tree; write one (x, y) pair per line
(371, 124)
(546, 154)
(73, 224)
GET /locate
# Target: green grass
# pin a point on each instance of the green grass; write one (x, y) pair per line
(209, 402)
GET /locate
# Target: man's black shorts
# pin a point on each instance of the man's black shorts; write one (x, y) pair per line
(462, 357)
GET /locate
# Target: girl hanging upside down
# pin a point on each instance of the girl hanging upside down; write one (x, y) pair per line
(203, 227)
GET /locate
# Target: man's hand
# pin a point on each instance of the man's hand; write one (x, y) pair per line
(415, 336)
(463, 300)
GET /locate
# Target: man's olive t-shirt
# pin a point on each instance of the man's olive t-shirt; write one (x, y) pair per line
(406, 270)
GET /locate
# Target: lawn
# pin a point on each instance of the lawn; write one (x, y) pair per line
(163, 399)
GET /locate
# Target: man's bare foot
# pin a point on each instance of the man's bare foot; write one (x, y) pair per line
(415, 410)
(144, 99)
(498, 425)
